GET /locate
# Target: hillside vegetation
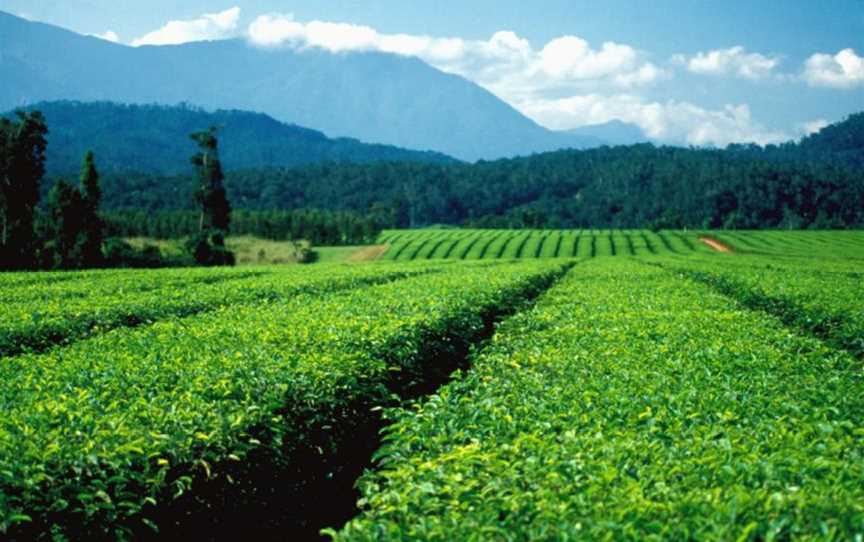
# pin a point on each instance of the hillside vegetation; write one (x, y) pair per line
(816, 183)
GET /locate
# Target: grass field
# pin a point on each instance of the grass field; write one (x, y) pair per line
(471, 384)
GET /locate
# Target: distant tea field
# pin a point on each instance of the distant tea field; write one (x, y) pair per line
(463, 244)
(465, 385)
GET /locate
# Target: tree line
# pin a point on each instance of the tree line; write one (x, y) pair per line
(68, 232)
(618, 187)
(815, 183)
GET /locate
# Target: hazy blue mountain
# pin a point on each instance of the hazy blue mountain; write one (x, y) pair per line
(373, 97)
(613, 133)
(155, 139)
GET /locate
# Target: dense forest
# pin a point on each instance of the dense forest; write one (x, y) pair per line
(815, 183)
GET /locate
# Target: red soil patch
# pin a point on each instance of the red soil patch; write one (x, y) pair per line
(719, 246)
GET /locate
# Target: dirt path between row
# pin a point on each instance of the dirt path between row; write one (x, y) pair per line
(367, 254)
(719, 246)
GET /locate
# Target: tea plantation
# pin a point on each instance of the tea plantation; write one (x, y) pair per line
(469, 385)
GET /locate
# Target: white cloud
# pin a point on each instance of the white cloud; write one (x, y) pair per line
(812, 127)
(506, 64)
(733, 61)
(674, 122)
(843, 70)
(211, 26)
(572, 57)
(110, 35)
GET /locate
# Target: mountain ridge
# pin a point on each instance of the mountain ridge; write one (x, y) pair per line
(374, 97)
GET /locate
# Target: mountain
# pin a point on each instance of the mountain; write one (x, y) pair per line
(613, 133)
(374, 97)
(155, 139)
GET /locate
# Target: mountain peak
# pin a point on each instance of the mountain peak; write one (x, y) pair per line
(374, 97)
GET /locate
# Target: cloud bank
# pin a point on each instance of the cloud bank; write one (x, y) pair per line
(210, 26)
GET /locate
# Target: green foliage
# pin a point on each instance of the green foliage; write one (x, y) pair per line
(153, 414)
(668, 392)
(824, 301)
(630, 404)
(38, 317)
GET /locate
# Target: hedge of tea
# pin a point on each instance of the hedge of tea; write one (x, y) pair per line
(629, 404)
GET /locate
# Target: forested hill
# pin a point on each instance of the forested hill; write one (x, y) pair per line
(816, 183)
(155, 139)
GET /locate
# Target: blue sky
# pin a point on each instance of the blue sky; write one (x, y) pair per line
(692, 71)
